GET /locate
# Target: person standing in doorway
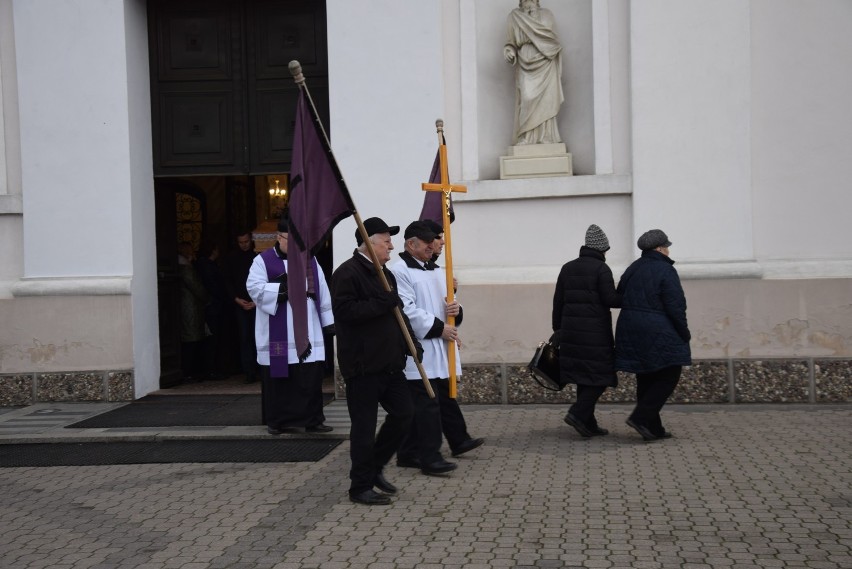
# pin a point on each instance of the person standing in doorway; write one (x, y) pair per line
(213, 280)
(193, 329)
(236, 269)
(292, 387)
(585, 293)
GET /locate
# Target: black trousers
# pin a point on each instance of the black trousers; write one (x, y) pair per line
(296, 400)
(652, 391)
(584, 407)
(369, 451)
(424, 438)
(192, 359)
(452, 420)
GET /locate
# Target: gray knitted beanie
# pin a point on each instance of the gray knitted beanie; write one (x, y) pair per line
(596, 239)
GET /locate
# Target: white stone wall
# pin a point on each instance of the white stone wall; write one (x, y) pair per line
(75, 137)
(801, 127)
(724, 122)
(730, 122)
(88, 209)
(11, 203)
(386, 90)
(691, 78)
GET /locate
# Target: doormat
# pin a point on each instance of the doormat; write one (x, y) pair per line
(165, 452)
(182, 411)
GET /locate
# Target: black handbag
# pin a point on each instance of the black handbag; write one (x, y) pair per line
(544, 365)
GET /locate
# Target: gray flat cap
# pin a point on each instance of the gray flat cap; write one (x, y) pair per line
(653, 239)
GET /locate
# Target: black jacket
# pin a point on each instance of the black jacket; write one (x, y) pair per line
(369, 339)
(585, 292)
(651, 333)
(236, 269)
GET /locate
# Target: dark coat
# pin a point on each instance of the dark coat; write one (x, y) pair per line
(236, 269)
(651, 333)
(585, 292)
(369, 339)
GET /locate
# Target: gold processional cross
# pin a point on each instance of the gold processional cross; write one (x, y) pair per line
(447, 189)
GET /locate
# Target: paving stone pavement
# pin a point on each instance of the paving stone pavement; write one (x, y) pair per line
(739, 486)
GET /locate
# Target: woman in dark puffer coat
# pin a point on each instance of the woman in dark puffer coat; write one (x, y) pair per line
(585, 291)
(652, 336)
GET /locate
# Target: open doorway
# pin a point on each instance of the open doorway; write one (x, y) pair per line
(207, 215)
(223, 110)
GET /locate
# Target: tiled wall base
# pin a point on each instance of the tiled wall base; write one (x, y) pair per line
(804, 380)
(800, 380)
(26, 389)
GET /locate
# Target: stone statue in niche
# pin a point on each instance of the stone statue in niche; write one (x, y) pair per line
(532, 47)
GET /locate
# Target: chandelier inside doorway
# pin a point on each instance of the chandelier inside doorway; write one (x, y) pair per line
(278, 194)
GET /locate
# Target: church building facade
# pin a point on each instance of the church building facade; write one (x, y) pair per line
(725, 123)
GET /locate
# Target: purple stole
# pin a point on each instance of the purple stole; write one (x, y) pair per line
(278, 359)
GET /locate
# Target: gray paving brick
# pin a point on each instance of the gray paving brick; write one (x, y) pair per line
(535, 495)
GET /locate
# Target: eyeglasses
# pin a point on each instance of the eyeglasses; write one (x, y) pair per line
(282, 235)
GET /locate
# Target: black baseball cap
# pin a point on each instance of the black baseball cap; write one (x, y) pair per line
(421, 230)
(375, 225)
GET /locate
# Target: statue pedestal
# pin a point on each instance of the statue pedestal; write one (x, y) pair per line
(536, 161)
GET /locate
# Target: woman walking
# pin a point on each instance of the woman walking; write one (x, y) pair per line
(585, 292)
(652, 336)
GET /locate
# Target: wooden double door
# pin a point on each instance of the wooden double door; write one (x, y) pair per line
(223, 99)
(223, 105)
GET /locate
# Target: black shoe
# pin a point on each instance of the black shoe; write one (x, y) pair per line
(371, 498)
(646, 433)
(321, 428)
(408, 462)
(578, 425)
(664, 435)
(468, 446)
(382, 484)
(597, 431)
(438, 468)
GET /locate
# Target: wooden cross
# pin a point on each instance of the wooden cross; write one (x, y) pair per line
(447, 189)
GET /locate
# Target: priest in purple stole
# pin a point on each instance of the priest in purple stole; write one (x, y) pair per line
(292, 389)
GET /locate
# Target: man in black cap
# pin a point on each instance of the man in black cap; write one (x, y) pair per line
(424, 302)
(292, 388)
(453, 423)
(371, 353)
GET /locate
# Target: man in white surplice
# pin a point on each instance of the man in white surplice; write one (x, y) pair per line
(292, 389)
(423, 292)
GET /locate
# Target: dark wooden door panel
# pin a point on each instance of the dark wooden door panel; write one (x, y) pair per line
(198, 96)
(278, 33)
(222, 94)
(284, 31)
(198, 131)
(194, 40)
